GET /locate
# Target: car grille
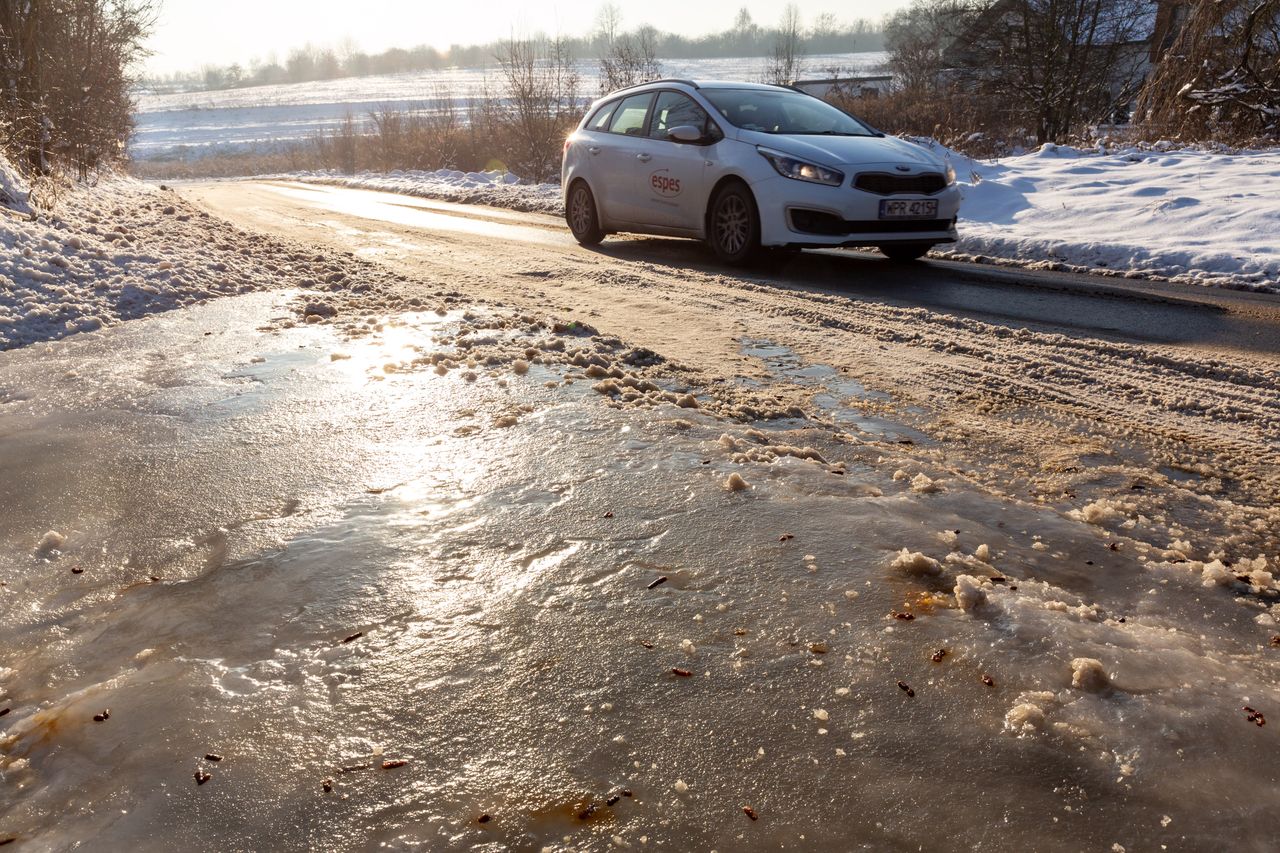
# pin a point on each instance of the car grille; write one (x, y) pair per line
(818, 222)
(882, 183)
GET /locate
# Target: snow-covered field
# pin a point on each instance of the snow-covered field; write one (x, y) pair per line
(188, 124)
(1186, 215)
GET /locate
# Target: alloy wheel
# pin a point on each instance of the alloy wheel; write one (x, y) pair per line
(580, 211)
(733, 224)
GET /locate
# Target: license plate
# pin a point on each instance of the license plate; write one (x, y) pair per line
(918, 209)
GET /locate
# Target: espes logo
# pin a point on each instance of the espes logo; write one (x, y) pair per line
(663, 184)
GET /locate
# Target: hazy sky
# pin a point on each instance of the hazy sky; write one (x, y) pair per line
(191, 33)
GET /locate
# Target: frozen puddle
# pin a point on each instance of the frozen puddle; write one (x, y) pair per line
(842, 399)
(568, 632)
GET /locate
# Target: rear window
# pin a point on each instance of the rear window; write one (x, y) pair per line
(600, 121)
(631, 115)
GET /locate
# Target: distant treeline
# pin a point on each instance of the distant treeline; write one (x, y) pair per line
(308, 63)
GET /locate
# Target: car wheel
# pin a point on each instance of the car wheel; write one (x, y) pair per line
(733, 225)
(905, 251)
(581, 215)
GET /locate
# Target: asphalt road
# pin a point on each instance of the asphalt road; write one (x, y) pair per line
(1111, 307)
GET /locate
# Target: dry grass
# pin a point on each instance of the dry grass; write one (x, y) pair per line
(972, 124)
(387, 140)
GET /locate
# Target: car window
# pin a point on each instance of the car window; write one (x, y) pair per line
(631, 114)
(673, 110)
(600, 121)
(781, 111)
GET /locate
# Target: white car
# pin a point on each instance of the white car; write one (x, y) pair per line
(747, 166)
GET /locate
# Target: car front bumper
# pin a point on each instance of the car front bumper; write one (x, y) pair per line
(795, 213)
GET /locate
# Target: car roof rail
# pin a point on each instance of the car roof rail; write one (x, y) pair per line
(681, 80)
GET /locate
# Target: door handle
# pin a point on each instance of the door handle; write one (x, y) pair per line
(644, 158)
(594, 149)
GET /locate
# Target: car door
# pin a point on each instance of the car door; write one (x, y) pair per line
(617, 159)
(672, 175)
(583, 157)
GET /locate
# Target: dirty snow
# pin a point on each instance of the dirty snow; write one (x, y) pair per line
(428, 627)
(413, 532)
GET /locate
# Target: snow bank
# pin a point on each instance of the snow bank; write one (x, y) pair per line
(99, 258)
(1190, 216)
(13, 188)
(496, 189)
(124, 249)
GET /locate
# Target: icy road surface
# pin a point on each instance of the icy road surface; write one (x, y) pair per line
(587, 554)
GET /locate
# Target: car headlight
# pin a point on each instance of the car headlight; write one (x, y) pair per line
(951, 174)
(802, 170)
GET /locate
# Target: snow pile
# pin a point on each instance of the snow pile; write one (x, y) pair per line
(970, 592)
(496, 189)
(1089, 674)
(13, 188)
(89, 263)
(915, 564)
(1190, 216)
(124, 249)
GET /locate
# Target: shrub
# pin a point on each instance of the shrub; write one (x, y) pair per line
(66, 66)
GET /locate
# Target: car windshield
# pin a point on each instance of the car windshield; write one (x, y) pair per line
(780, 111)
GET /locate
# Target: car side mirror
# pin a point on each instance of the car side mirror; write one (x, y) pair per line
(684, 133)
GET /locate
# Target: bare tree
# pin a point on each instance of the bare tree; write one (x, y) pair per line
(608, 25)
(788, 48)
(824, 25)
(1220, 77)
(541, 85)
(625, 58)
(744, 32)
(65, 66)
(24, 126)
(919, 39)
(1056, 65)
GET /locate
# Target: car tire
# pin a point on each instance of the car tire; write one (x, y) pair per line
(733, 225)
(581, 215)
(904, 252)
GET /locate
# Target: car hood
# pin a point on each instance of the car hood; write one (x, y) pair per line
(847, 150)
